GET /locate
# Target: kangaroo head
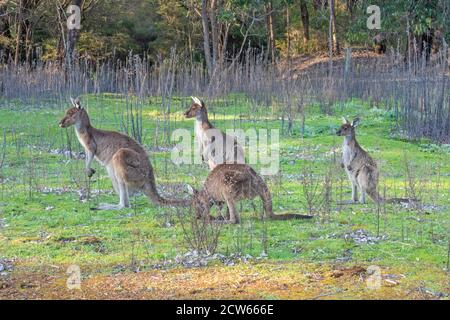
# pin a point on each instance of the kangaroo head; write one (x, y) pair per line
(73, 114)
(347, 128)
(200, 202)
(196, 108)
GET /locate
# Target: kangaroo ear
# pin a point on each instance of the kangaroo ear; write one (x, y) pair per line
(73, 102)
(344, 120)
(76, 103)
(191, 190)
(355, 122)
(196, 101)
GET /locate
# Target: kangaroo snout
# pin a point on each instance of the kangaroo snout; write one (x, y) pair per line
(189, 114)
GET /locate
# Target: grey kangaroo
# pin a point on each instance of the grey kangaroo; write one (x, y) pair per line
(216, 147)
(229, 183)
(361, 169)
(125, 160)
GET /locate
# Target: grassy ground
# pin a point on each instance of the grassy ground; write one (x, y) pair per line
(45, 227)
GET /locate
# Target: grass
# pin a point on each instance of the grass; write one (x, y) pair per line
(44, 223)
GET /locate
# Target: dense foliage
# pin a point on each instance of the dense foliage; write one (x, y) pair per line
(214, 31)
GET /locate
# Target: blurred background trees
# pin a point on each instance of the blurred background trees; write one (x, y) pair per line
(216, 32)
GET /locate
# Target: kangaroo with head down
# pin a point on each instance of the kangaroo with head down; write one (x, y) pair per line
(125, 160)
(361, 169)
(215, 146)
(229, 183)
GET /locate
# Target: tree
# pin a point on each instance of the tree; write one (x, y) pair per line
(305, 20)
(270, 32)
(332, 36)
(73, 34)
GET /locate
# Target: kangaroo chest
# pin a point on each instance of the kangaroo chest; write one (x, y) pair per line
(200, 133)
(88, 143)
(82, 138)
(347, 153)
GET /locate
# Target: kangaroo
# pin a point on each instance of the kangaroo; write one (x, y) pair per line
(229, 183)
(212, 149)
(361, 169)
(125, 160)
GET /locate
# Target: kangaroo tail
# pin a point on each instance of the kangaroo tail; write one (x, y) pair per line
(152, 193)
(379, 199)
(266, 199)
(288, 216)
(376, 197)
(267, 202)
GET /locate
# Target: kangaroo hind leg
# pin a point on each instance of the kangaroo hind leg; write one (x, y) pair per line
(112, 176)
(125, 167)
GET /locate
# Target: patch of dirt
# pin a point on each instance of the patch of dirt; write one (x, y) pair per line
(314, 63)
(244, 281)
(349, 272)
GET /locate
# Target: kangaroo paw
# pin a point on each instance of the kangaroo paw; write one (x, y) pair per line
(348, 202)
(106, 206)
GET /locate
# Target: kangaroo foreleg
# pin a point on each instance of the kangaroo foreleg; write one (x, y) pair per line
(234, 216)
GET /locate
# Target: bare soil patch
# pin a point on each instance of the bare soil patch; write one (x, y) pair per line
(244, 281)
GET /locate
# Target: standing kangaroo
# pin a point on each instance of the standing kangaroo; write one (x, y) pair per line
(229, 183)
(125, 160)
(360, 167)
(216, 147)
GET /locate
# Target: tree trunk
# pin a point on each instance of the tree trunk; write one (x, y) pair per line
(18, 32)
(270, 33)
(72, 36)
(350, 5)
(224, 43)
(214, 34)
(319, 4)
(4, 30)
(334, 44)
(288, 26)
(305, 20)
(28, 45)
(425, 42)
(206, 46)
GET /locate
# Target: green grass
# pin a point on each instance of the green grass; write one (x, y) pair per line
(49, 228)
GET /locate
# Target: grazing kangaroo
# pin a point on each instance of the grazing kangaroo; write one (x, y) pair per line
(361, 169)
(229, 183)
(212, 150)
(125, 160)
